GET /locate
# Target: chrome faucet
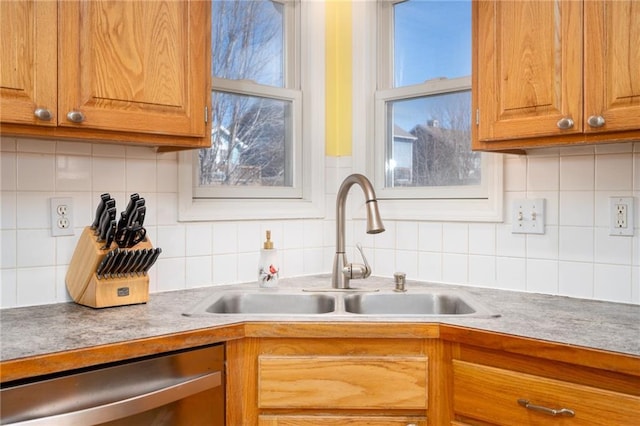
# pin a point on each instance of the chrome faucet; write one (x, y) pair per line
(343, 271)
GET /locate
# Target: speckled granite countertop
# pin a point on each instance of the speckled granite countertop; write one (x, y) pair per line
(41, 330)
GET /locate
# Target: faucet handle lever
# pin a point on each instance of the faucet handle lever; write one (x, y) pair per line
(360, 271)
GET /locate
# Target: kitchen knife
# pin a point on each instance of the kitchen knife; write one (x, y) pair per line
(111, 234)
(109, 216)
(138, 215)
(103, 264)
(101, 206)
(131, 206)
(111, 256)
(122, 263)
(152, 259)
(104, 218)
(122, 223)
(146, 256)
(140, 256)
(126, 270)
(115, 264)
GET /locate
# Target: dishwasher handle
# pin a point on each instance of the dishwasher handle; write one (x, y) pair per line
(130, 406)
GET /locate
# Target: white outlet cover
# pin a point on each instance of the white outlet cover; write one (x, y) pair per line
(56, 218)
(528, 216)
(614, 229)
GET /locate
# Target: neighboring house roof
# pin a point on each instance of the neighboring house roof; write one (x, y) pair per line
(400, 133)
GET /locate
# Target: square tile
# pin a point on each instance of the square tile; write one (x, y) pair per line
(482, 238)
(612, 283)
(511, 273)
(542, 276)
(576, 208)
(455, 238)
(199, 239)
(576, 243)
(577, 173)
(543, 173)
(575, 279)
(36, 286)
(43, 179)
(614, 172)
(198, 271)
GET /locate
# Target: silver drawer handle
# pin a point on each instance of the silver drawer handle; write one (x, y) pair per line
(565, 123)
(43, 114)
(550, 411)
(75, 116)
(596, 121)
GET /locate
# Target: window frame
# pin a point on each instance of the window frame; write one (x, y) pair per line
(373, 28)
(305, 79)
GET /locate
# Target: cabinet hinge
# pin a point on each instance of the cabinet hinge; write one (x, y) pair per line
(206, 114)
(477, 116)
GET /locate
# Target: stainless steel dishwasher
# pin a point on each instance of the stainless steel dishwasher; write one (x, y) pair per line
(180, 388)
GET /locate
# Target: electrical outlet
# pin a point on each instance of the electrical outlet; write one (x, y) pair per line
(621, 216)
(61, 216)
(528, 216)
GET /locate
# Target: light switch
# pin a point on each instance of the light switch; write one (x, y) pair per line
(528, 216)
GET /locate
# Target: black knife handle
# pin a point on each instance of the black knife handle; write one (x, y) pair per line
(152, 260)
(109, 217)
(111, 234)
(101, 206)
(132, 204)
(103, 264)
(104, 218)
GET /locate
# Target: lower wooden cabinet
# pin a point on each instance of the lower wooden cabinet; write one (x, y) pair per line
(460, 377)
(490, 395)
(328, 382)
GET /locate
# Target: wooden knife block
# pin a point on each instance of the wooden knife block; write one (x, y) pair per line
(86, 289)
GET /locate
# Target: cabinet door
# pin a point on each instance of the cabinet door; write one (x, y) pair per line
(612, 65)
(28, 52)
(136, 66)
(528, 68)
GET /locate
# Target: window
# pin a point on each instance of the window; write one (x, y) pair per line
(421, 160)
(260, 154)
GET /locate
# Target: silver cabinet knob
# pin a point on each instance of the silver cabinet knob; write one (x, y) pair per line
(75, 116)
(596, 121)
(565, 123)
(43, 114)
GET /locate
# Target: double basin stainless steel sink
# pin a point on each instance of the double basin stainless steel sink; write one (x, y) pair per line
(418, 302)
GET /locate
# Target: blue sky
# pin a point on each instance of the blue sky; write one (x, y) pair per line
(433, 39)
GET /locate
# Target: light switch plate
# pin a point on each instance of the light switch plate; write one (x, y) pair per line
(528, 216)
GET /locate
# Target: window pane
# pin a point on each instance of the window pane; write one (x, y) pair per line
(250, 142)
(428, 142)
(248, 41)
(432, 39)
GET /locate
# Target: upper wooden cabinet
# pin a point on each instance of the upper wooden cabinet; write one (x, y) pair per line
(117, 71)
(555, 73)
(28, 61)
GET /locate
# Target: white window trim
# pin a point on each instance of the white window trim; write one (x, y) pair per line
(312, 203)
(489, 209)
(250, 88)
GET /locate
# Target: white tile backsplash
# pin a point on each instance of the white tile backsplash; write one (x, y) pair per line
(575, 257)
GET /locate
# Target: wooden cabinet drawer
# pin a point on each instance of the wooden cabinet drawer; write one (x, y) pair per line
(342, 382)
(286, 420)
(491, 394)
